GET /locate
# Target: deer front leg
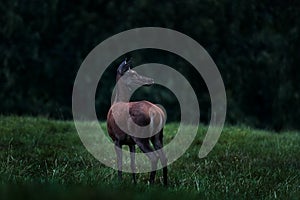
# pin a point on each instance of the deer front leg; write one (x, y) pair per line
(132, 164)
(118, 149)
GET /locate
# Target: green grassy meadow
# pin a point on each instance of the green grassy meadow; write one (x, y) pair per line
(41, 158)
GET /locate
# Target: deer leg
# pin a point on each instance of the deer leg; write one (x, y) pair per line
(132, 164)
(158, 145)
(144, 145)
(118, 149)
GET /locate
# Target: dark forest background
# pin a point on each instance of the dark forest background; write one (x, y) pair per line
(254, 43)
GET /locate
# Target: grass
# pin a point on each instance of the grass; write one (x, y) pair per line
(41, 158)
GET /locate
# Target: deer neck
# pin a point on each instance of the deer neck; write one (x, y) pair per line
(122, 93)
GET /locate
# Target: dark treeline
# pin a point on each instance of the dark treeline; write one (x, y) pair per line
(254, 43)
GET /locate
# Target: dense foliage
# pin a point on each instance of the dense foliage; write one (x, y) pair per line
(254, 43)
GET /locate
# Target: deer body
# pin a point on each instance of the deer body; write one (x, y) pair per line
(142, 113)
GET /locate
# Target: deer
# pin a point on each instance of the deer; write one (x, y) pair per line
(142, 113)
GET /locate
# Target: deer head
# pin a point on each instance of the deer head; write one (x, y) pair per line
(129, 78)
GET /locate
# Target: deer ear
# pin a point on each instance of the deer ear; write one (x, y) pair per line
(128, 59)
(124, 66)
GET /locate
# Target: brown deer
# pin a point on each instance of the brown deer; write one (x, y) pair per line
(143, 114)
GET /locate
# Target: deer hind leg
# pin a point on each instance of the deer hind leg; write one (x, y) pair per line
(144, 145)
(157, 142)
(132, 164)
(118, 149)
